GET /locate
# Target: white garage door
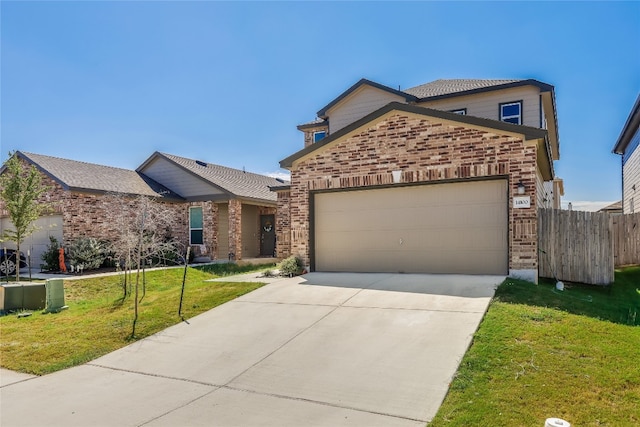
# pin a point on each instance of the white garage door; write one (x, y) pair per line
(37, 243)
(439, 228)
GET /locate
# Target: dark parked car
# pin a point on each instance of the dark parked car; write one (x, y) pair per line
(8, 263)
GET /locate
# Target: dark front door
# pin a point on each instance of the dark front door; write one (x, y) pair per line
(267, 235)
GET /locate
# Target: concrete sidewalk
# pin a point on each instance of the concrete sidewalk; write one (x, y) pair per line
(323, 349)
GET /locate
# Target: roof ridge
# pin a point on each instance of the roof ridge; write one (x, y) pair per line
(28, 154)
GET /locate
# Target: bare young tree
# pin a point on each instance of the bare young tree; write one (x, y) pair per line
(143, 239)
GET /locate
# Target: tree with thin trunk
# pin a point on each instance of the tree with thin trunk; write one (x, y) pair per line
(20, 189)
(143, 239)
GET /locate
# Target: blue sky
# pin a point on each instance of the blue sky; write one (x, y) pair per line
(112, 82)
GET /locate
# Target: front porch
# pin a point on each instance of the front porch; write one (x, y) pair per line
(235, 230)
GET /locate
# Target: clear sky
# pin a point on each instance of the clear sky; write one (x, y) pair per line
(112, 82)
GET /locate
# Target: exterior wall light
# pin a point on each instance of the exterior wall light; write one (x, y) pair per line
(521, 188)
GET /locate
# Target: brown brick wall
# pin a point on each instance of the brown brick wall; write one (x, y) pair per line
(235, 228)
(283, 225)
(93, 215)
(425, 150)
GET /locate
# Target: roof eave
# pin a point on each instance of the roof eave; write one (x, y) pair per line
(313, 125)
(280, 188)
(124, 193)
(629, 129)
(29, 160)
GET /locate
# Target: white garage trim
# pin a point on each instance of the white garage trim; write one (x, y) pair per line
(456, 227)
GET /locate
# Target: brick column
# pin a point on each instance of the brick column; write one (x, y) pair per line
(283, 225)
(215, 218)
(235, 228)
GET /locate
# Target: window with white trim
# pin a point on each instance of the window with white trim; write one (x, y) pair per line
(195, 226)
(511, 112)
(461, 111)
(317, 136)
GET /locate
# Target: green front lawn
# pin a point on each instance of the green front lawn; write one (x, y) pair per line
(541, 353)
(98, 321)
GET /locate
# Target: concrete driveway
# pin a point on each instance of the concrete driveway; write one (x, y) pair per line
(323, 349)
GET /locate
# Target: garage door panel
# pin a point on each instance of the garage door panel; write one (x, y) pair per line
(38, 241)
(440, 228)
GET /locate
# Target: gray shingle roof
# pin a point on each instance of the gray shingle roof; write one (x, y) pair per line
(239, 183)
(76, 175)
(449, 86)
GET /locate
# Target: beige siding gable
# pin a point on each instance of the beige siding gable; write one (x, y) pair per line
(358, 104)
(178, 180)
(487, 104)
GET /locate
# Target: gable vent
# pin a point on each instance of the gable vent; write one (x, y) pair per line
(201, 163)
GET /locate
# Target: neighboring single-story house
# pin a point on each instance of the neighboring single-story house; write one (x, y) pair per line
(218, 210)
(446, 177)
(613, 209)
(627, 146)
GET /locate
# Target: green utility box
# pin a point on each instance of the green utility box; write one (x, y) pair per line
(55, 294)
(11, 297)
(22, 296)
(34, 296)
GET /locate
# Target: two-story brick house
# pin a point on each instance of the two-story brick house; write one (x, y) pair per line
(627, 146)
(444, 177)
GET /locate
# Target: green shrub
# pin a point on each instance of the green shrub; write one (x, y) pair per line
(88, 252)
(290, 266)
(51, 257)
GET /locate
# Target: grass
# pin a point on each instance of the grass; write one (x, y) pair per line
(99, 321)
(541, 353)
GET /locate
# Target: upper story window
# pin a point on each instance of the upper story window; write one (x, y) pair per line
(195, 226)
(461, 111)
(511, 112)
(317, 136)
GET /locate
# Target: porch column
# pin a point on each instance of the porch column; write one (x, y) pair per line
(215, 216)
(235, 228)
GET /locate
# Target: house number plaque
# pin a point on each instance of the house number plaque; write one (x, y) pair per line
(521, 202)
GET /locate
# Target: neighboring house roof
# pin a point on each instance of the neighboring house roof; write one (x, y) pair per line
(457, 87)
(235, 182)
(630, 128)
(74, 175)
(614, 207)
(528, 132)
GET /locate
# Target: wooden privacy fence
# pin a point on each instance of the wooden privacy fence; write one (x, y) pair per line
(576, 246)
(626, 239)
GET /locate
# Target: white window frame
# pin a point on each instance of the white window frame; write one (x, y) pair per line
(318, 132)
(461, 111)
(508, 104)
(195, 228)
